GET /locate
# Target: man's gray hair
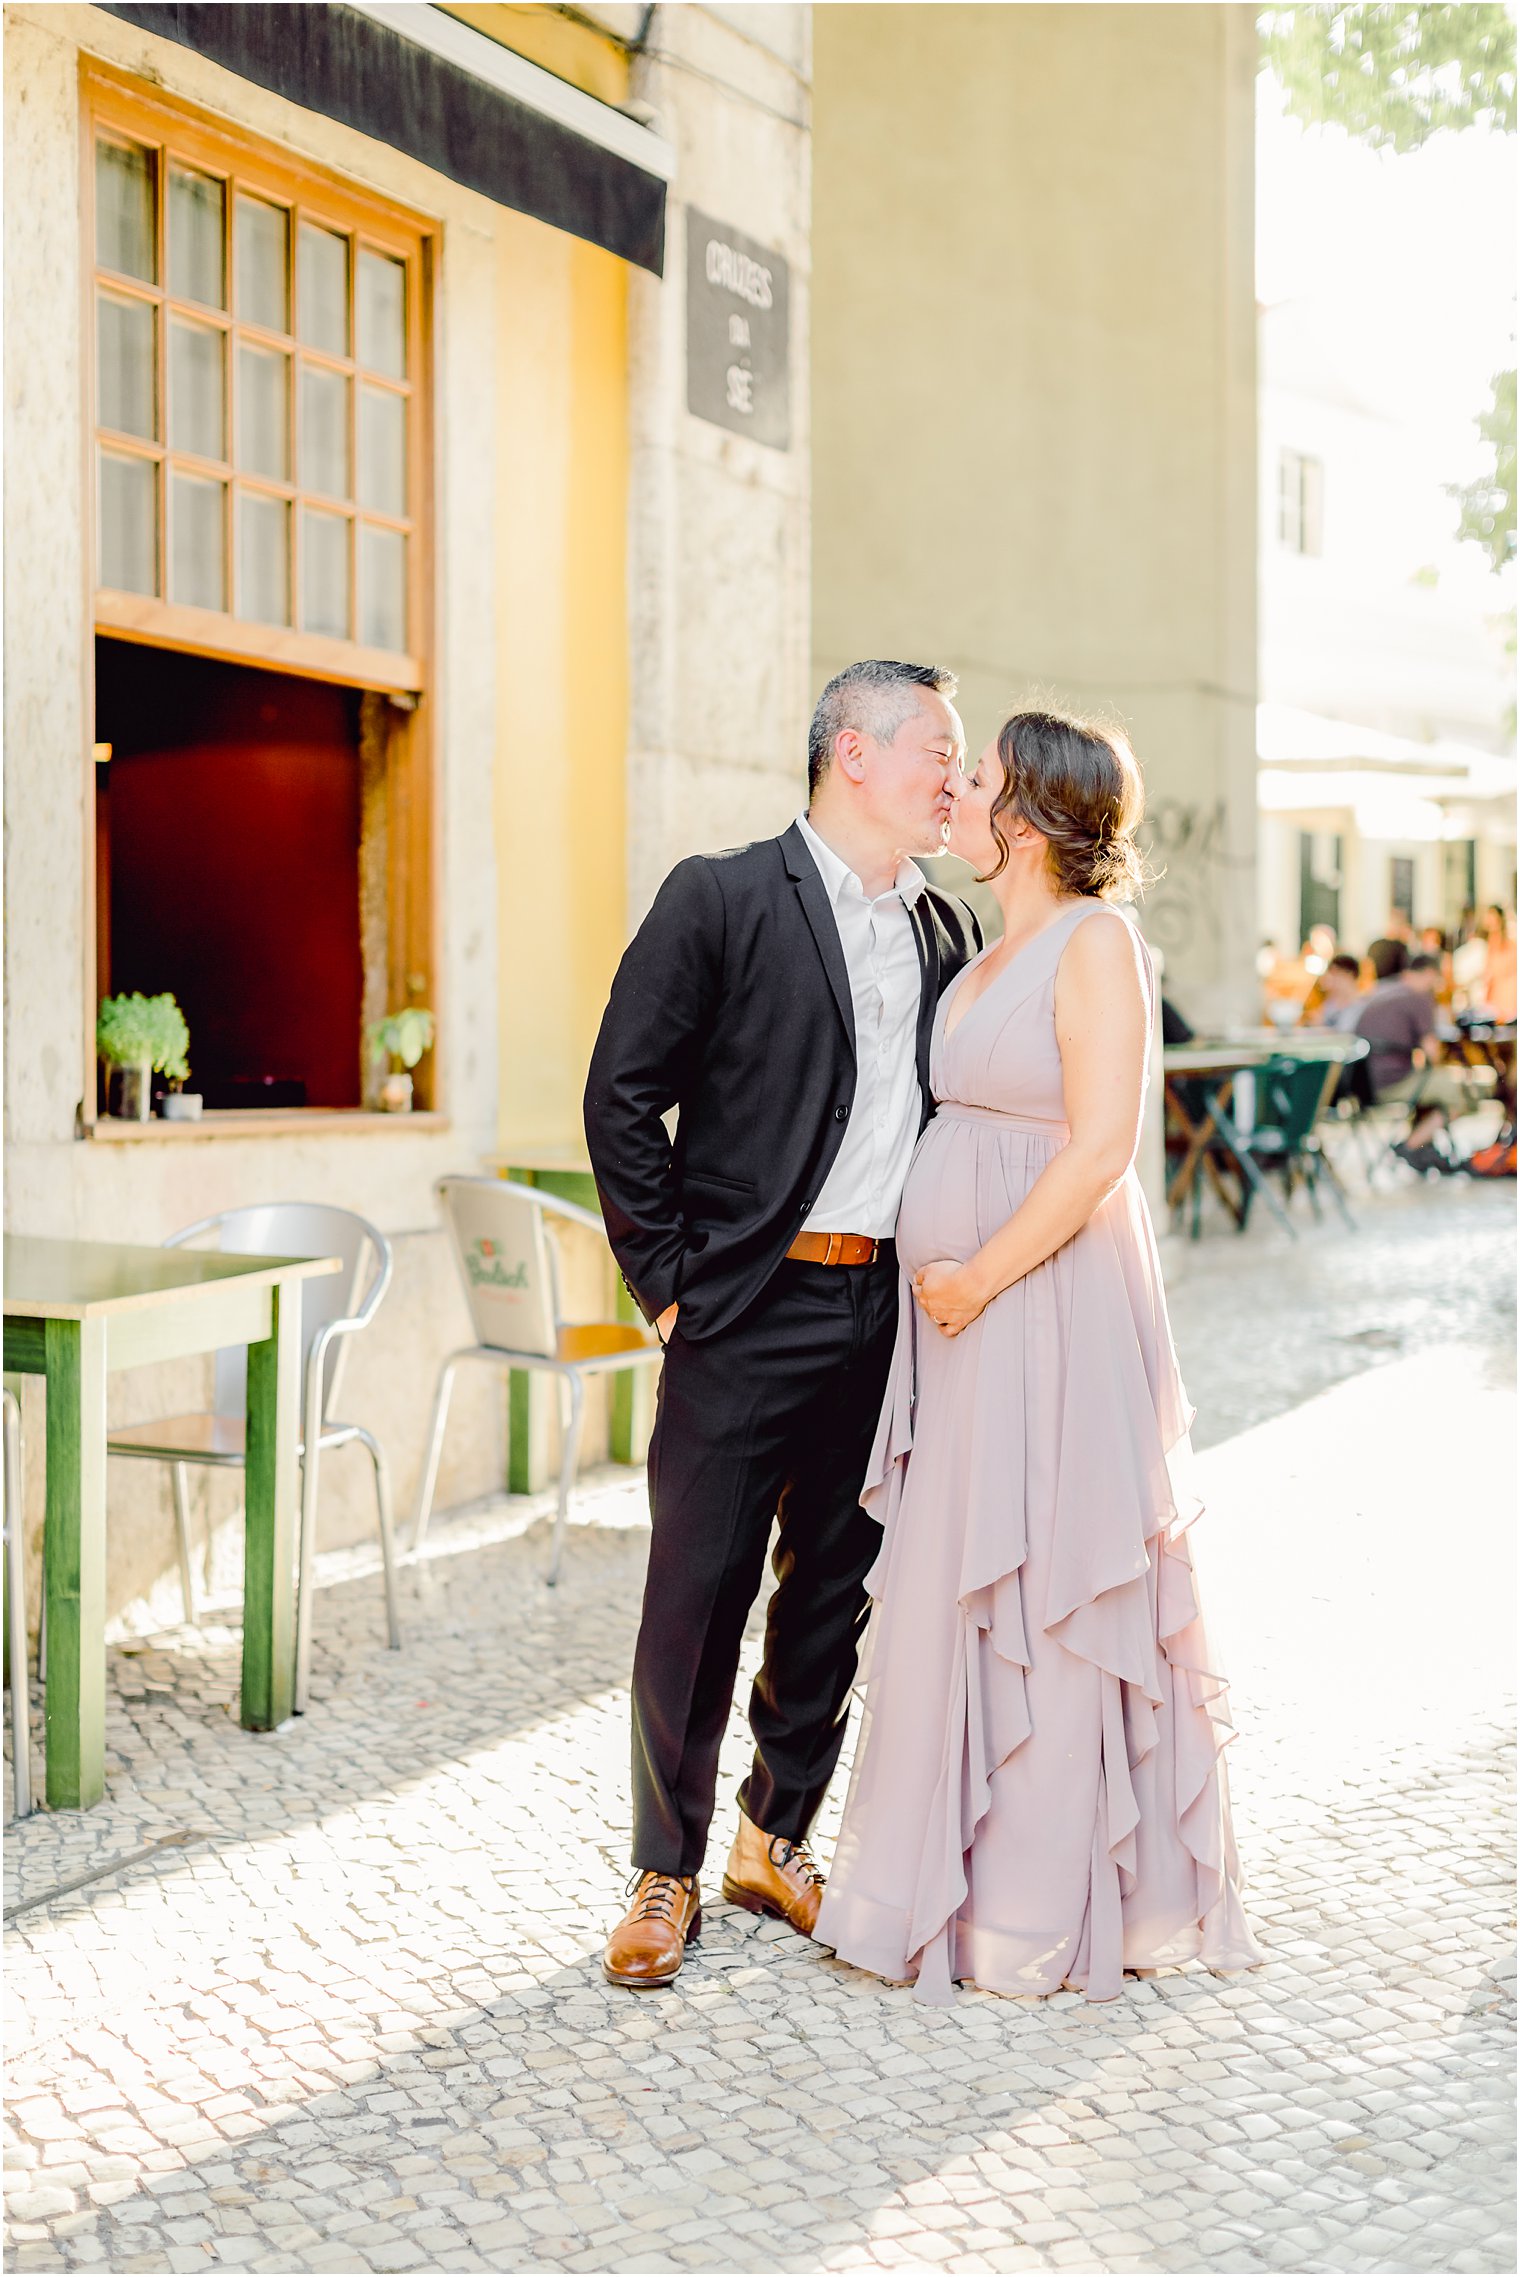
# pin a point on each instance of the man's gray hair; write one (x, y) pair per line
(874, 698)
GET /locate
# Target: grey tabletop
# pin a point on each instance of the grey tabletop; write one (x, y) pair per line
(76, 1280)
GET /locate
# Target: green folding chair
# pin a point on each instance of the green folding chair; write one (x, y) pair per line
(1292, 1097)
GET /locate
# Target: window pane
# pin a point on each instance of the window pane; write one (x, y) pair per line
(125, 359)
(128, 524)
(197, 265)
(264, 412)
(263, 559)
(322, 289)
(197, 560)
(382, 314)
(124, 210)
(1312, 506)
(196, 410)
(382, 450)
(263, 264)
(324, 432)
(382, 588)
(324, 573)
(1287, 499)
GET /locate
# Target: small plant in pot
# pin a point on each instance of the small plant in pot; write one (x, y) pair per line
(134, 1035)
(400, 1038)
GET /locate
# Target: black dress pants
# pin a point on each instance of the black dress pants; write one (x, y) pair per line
(774, 1417)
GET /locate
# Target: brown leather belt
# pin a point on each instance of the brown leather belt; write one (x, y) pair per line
(838, 1249)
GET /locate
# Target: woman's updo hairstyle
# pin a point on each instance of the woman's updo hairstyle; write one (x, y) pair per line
(1079, 785)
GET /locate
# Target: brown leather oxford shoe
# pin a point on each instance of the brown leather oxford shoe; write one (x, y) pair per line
(768, 1874)
(649, 1944)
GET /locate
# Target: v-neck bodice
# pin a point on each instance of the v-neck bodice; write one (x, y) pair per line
(1001, 1054)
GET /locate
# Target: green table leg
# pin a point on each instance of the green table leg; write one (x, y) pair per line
(274, 1433)
(633, 1398)
(527, 1463)
(621, 1422)
(74, 1563)
(529, 1467)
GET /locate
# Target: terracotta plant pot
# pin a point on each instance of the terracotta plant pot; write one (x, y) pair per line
(396, 1094)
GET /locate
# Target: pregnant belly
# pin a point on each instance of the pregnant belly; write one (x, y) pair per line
(938, 1217)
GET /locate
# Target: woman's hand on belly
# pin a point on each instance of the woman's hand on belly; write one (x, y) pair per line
(950, 1294)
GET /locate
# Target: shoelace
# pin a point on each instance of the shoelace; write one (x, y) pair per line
(796, 1854)
(658, 1901)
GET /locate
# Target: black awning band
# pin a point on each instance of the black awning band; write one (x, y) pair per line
(349, 67)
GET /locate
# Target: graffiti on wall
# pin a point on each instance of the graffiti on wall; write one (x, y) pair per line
(1187, 849)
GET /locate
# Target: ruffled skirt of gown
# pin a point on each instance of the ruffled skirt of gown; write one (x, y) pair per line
(1039, 1796)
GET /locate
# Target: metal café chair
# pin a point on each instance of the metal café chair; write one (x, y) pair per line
(332, 1309)
(1292, 1097)
(15, 1612)
(1382, 1125)
(502, 1236)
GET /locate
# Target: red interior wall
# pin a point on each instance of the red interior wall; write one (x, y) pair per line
(234, 863)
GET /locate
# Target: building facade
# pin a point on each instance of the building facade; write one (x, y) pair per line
(390, 600)
(436, 491)
(1386, 731)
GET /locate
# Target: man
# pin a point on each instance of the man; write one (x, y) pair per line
(1388, 958)
(1398, 1020)
(781, 997)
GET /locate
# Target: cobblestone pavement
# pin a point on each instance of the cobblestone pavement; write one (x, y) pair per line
(347, 2014)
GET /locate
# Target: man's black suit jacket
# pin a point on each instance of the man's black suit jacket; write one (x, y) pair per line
(732, 1004)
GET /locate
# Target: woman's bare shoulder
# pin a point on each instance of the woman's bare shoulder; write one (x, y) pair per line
(1105, 948)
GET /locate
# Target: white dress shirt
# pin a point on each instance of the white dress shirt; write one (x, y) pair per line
(864, 1187)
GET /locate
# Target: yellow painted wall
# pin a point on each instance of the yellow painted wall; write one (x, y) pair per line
(589, 59)
(562, 667)
(1033, 395)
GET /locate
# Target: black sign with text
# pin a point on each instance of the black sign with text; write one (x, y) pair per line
(737, 332)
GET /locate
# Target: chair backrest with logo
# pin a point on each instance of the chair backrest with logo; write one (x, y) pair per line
(506, 1262)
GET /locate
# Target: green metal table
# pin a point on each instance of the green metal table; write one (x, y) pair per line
(1214, 1069)
(74, 1310)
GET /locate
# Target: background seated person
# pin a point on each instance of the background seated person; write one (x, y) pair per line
(1433, 943)
(1398, 1020)
(1285, 983)
(1174, 1028)
(1387, 958)
(1315, 958)
(1340, 995)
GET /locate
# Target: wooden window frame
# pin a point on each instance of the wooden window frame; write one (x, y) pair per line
(115, 104)
(118, 108)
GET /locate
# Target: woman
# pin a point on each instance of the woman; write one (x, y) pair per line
(1499, 965)
(1434, 943)
(1038, 1797)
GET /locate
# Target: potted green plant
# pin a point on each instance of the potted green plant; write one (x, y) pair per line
(134, 1035)
(402, 1038)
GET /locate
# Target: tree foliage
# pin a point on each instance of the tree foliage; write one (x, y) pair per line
(1488, 505)
(1393, 72)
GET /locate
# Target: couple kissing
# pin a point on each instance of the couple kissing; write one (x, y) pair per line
(912, 1312)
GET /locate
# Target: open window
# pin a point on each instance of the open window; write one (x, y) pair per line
(261, 596)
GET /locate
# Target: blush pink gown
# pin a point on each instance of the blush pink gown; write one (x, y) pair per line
(1039, 1796)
